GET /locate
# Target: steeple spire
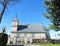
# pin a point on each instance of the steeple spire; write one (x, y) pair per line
(16, 15)
(15, 19)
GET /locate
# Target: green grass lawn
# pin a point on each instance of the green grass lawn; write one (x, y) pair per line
(47, 44)
(50, 44)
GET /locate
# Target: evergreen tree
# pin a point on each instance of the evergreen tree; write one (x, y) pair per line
(53, 13)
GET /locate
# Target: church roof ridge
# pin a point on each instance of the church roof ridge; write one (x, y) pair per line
(30, 24)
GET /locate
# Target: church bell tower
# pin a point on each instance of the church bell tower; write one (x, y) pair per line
(14, 24)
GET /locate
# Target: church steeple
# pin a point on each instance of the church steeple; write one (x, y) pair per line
(15, 21)
(16, 15)
(15, 24)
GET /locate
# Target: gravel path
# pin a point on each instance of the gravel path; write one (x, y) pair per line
(31, 45)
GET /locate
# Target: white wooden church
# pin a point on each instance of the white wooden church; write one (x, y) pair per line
(27, 33)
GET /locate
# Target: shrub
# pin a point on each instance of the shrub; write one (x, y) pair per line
(3, 39)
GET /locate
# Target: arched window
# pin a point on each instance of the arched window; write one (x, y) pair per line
(25, 34)
(18, 35)
(33, 34)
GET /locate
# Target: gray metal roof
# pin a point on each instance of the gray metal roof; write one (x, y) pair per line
(31, 28)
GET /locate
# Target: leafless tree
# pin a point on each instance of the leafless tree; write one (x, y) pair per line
(4, 3)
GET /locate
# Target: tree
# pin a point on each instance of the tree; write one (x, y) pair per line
(4, 3)
(4, 29)
(53, 13)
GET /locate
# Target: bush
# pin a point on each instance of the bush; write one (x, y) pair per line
(3, 39)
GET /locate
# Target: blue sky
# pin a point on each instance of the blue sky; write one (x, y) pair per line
(28, 12)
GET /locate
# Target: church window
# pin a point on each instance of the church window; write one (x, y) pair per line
(25, 34)
(40, 37)
(32, 34)
(18, 35)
